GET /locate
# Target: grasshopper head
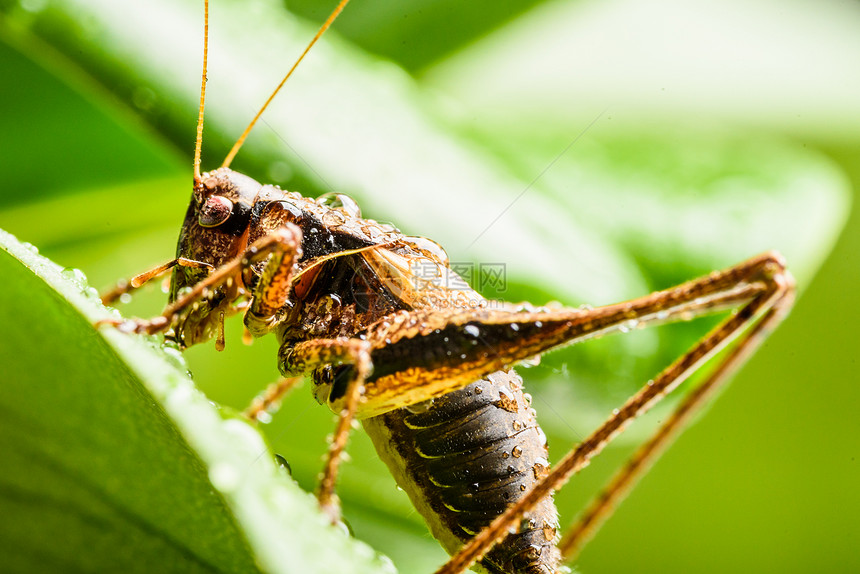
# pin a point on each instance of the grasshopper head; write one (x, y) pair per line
(215, 230)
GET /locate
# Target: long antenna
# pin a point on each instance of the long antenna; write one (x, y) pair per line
(244, 135)
(198, 146)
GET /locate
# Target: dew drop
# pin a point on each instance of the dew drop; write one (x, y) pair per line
(517, 452)
(224, 477)
(472, 330)
(283, 464)
(429, 246)
(333, 218)
(76, 276)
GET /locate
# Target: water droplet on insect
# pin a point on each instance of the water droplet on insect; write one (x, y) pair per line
(615, 412)
(472, 330)
(585, 307)
(478, 390)
(541, 436)
(523, 487)
(30, 247)
(538, 324)
(264, 417)
(399, 488)
(125, 298)
(517, 452)
(505, 455)
(333, 218)
(661, 315)
(430, 247)
(329, 200)
(515, 327)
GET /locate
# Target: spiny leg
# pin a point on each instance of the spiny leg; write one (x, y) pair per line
(601, 508)
(429, 353)
(271, 397)
(768, 306)
(286, 242)
(308, 355)
(123, 287)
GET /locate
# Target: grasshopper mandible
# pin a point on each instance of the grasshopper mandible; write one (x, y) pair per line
(428, 369)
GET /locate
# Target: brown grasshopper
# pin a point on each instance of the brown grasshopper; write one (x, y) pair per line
(427, 368)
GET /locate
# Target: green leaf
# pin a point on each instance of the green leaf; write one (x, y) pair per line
(576, 213)
(113, 461)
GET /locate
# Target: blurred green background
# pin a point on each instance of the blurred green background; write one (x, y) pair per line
(658, 139)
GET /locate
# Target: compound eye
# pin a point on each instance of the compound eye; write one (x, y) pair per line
(215, 211)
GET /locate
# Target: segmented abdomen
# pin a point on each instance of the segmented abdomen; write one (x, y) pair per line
(464, 458)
